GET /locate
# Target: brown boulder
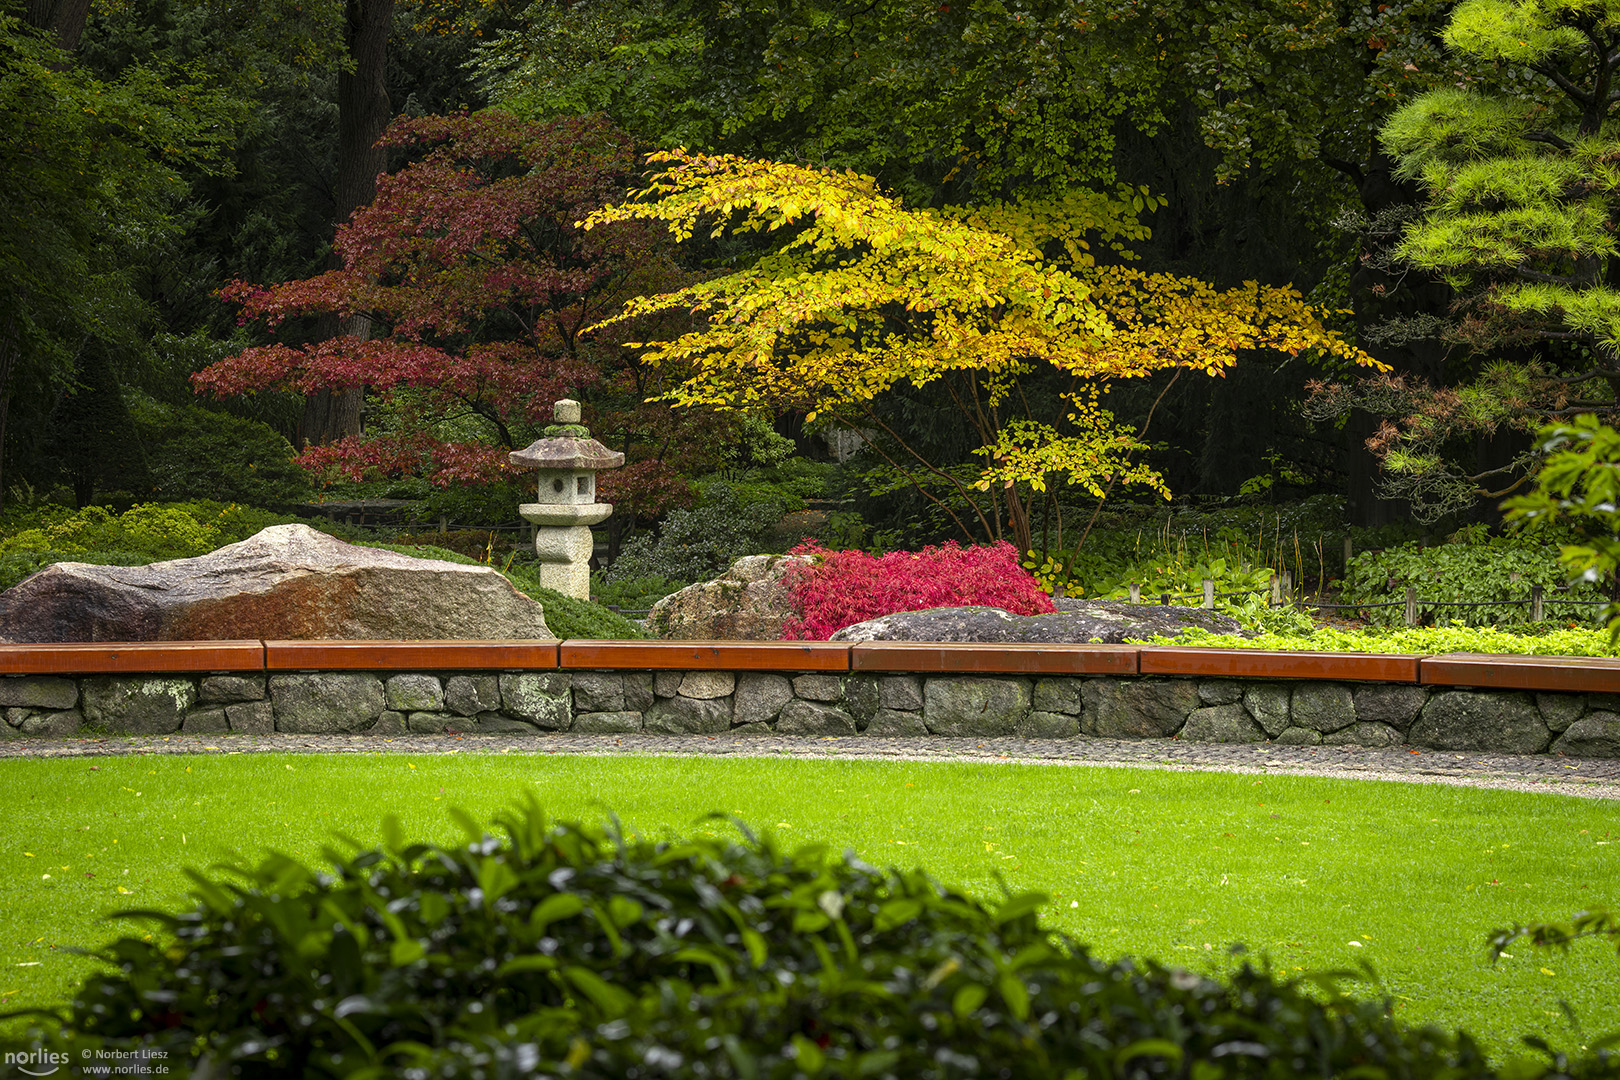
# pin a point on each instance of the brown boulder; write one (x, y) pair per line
(288, 581)
(749, 602)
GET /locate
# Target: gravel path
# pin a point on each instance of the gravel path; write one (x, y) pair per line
(1591, 778)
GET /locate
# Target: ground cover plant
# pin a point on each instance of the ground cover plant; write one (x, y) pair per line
(1547, 639)
(1315, 874)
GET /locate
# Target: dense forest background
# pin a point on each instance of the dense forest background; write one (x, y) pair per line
(157, 151)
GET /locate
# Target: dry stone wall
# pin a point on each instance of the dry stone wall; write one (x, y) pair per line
(820, 704)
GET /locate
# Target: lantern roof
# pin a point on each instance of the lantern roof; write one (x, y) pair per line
(566, 445)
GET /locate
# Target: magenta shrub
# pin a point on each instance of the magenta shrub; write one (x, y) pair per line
(842, 588)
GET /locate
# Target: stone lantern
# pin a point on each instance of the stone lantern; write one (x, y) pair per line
(566, 507)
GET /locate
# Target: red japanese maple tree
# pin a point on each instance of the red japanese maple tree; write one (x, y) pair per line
(476, 283)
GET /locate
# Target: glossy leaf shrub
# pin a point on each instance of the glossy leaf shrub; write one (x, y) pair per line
(842, 588)
(560, 951)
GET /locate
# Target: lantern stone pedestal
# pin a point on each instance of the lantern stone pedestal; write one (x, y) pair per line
(566, 507)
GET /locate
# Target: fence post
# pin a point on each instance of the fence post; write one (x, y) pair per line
(1411, 606)
(1164, 599)
(1276, 591)
(1209, 593)
(1288, 584)
(1136, 593)
(1348, 551)
(444, 524)
(1537, 603)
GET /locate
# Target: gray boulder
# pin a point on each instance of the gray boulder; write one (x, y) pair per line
(1462, 720)
(688, 716)
(1324, 707)
(975, 708)
(1130, 709)
(1075, 621)
(326, 703)
(136, 705)
(1222, 724)
(545, 701)
(749, 602)
(1596, 735)
(800, 717)
(287, 581)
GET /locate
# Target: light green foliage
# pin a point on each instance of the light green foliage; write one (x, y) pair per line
(1521, 181)
(153, 530)
(1473, 568)
(1579, 488)
(1425, 641)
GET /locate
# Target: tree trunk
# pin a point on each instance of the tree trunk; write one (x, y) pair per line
(64, 18)
(8, 357)
(363, 113)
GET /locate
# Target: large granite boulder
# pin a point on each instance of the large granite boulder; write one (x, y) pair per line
(288, 581)
(749, 602)
(1073, 621)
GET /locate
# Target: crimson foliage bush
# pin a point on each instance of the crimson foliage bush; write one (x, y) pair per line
(841, 588)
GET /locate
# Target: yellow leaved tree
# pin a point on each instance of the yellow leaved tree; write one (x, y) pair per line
(863, 294)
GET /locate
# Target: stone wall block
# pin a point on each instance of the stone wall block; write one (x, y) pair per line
(638, 691)
(667, 683)
(1220, 691)
(1058, 696)
(903, 692)
(1268, 704)
(897, 723)
(1390, 703)
(800, 717)
(598, 691)
(1047, 725)
(1137, 709)
(325, 703)
(427, 723)
(15, 715)
(1298, 736)
(818, 687)
(230, 689)
(1504, 723)
(1322, 706)
(1365, 733)
(412, 692)
(1595, 735)
(494, 723)
(708, 685)
(1228, 723)
(388, 723)
(38, 692)
(469, 695)
(137, 705)
(863, 697)
(607, 723)
(251, 717)
(543, 700)
(688, 716)
(760, 697)
(54, 724)
(975, 708)
(205, 722)
(1559, 711)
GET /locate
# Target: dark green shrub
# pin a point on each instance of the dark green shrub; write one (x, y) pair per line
(197, 453)
(1498, 571)
(571, 617)
(633, 594)
(563, 952)
(700, 543)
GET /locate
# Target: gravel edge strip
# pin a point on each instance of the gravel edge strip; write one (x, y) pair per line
(1584, 777)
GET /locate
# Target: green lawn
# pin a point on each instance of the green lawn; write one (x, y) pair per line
(1314, 873)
